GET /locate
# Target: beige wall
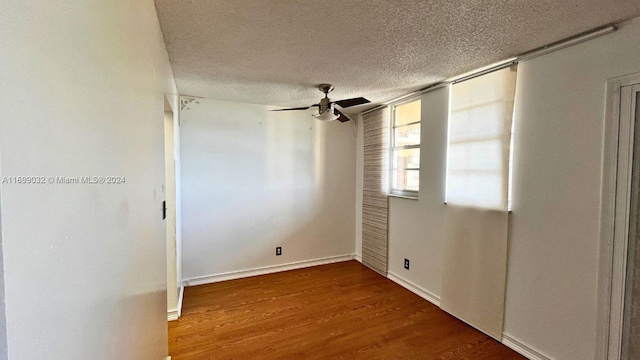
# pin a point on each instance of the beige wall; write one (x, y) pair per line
(82, 95)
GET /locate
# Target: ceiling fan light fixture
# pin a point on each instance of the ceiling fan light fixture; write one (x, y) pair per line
(326, 115)
(326, 110)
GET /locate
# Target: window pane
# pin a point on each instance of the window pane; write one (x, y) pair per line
(407, 135)
(407, 113)
(408, 158)
(406, 180)
(405, 163)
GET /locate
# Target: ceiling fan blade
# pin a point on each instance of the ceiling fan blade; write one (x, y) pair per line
(342, 117)
(351, 102)
(298, 108)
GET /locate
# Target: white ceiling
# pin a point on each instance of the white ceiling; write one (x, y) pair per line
(275, 52)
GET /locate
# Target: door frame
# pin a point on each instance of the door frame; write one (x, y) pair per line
(172, 193)
(616, 185)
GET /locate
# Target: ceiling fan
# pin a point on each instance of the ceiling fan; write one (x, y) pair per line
(326, 109)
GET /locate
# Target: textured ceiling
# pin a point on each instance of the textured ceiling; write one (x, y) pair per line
(276, 51)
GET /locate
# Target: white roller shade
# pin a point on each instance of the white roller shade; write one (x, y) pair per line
(479, 140)
(475, 251)
(475, 267)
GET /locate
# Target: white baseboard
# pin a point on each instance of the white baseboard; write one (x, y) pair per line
(173, 315)
(427, 295)
(508, 340)
(180, 297)
(358, 257)
(522, 349)
(208, 279)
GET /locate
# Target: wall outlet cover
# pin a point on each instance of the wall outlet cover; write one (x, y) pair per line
(406, 264)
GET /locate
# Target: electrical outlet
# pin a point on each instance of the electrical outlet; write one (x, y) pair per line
(406, 264)
(279, 251)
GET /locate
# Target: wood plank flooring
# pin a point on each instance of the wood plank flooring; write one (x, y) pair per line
(336, 311)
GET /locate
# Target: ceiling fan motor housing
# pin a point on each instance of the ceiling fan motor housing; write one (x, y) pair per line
(325, 104)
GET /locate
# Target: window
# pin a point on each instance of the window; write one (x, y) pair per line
(480, 125)
(405, 149)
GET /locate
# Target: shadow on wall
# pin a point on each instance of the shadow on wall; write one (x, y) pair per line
(94, 332)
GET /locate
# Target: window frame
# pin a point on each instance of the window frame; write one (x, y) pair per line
(413, 194)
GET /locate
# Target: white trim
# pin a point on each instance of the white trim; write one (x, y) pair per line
(358, 257)
(507, 340)
(425, 294)
(621, 227)
(391, 191)
(208, 279)
(180, 297)
(607, 206)
(403, 196)
(522, 349)
(614, 219)
(172, 315)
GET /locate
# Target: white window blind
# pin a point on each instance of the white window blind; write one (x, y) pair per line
(374, 189)
(479, 140)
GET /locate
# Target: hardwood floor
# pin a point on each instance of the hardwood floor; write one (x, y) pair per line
(336, 311)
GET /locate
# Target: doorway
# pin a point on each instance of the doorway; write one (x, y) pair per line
(171, 213)
(619, 283)
(631, 317)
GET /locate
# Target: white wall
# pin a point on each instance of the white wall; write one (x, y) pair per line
(553, 255)
(3, 314)
(416, 227)
(554, 228)
(253, 180)
(82, 95)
